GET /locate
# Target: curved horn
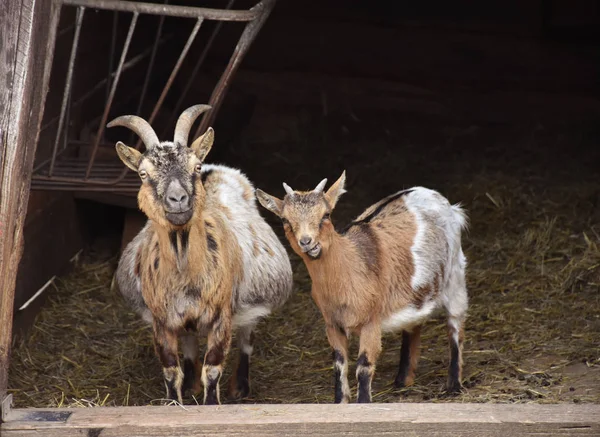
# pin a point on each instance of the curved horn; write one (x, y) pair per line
(185, 122)
(321, 186)
(288, 189)
(139, 126)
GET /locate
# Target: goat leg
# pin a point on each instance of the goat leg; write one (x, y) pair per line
(165, 345)
(219, 342)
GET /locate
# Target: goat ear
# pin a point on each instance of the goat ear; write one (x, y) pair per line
(203, 144)
(336, 190)
(272, 203)
(130, 156)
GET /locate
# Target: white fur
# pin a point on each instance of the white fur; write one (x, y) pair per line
(437, 243)
(267, 274)
(249, 316)
(409, 317)
(343, 369)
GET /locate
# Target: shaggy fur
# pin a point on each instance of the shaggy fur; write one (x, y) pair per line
(221, 267)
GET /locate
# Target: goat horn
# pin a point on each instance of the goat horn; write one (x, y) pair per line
(185, 122)
(288, 189)
(321, 186)
(139, 126)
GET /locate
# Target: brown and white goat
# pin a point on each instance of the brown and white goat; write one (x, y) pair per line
(389, 270)
(205, 262)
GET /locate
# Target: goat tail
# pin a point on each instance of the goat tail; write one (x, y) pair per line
(460, 216)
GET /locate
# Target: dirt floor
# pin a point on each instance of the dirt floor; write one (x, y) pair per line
(533, 196)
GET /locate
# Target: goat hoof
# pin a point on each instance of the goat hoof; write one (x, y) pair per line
(399, 384)
(454, 388)
(403, 382)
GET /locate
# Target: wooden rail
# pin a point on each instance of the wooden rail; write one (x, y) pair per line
(473, 420)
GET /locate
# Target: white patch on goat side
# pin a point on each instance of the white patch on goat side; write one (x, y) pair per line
(422, 200)
(250, 315)
(421, 275)
(408, 317)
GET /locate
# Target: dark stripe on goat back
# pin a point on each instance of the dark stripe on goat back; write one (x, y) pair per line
(382, 204)
(367, 244)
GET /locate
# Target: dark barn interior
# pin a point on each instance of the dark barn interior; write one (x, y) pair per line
(494, 104)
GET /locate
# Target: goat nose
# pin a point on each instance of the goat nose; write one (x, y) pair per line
(178, 197)
(305, 240)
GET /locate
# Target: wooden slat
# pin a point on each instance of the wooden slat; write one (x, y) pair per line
(27, 36)
(502, 420)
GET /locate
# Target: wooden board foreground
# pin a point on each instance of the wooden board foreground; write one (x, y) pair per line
(372, 420)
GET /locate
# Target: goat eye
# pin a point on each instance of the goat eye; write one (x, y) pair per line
(325, 217)
(198, 168)
(143, 174)
(285, 221)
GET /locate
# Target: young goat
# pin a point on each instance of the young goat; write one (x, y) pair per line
(205, 261)
(388, 271)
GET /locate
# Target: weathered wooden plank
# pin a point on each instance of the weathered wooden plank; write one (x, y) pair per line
(27, 36)
(500, 420)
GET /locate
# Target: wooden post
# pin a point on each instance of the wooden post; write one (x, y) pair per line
(27, 35)
(373, 420)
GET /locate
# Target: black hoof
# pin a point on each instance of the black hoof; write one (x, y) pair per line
(454, 388)
(399, 383)
(243, 389)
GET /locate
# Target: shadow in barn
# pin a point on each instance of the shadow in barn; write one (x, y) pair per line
(495, 106)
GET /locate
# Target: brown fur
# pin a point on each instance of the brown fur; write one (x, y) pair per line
(414, 355)
(360, 276)
(365, 283)
(189, 266)
(187, 272)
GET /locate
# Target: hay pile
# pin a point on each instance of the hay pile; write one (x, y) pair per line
(534, 277)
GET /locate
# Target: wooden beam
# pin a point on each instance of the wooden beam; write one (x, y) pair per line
(26, 44)
(454, 419)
